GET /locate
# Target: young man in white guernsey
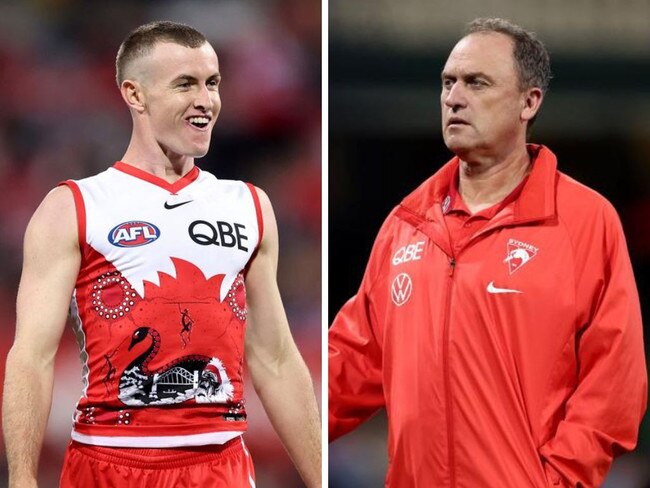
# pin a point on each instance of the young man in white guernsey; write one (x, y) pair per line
(171, 276)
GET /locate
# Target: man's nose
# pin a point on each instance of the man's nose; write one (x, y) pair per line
(455, 96)
(204, 99)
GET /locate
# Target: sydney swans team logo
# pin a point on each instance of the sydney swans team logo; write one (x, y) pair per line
(133, 234)
(519, 253)
(400, 290)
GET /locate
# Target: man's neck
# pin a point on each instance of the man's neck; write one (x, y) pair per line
(168, 167)
(486, 182)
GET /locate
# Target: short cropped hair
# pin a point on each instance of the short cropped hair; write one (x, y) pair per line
(141, 41)
(531, 57)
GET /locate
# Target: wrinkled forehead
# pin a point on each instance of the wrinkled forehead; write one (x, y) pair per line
(490, 53)
(167, 60)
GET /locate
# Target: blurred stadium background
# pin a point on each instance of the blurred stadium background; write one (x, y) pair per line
(61, 116)
(385, 60)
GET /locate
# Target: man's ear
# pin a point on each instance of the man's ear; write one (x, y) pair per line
(134, 96)
(532, 101)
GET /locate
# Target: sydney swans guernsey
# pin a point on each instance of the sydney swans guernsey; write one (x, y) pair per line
(160, 306)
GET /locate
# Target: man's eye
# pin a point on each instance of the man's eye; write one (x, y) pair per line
(184, 85)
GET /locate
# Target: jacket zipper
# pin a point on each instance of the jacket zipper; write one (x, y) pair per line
(446, 370)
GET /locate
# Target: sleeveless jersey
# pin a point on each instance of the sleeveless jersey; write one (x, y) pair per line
(160, 306)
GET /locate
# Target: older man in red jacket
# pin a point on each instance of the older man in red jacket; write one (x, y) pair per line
(498, 320)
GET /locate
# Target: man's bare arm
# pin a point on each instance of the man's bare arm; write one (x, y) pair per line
(280, 376)
(50, 267)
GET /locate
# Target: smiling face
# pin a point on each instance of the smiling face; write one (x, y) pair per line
(484, 110)
(180, 99)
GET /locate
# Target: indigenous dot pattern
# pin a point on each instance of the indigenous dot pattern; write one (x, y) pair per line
(238, 288)
(129, 295)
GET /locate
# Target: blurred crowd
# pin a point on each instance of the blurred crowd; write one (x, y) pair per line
(61, 116)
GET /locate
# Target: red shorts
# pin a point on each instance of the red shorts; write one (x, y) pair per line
(227, 465)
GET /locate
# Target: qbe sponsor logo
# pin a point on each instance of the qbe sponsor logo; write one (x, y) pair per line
(401, 288)
(133, 234)
(223, 234)
(411, 252)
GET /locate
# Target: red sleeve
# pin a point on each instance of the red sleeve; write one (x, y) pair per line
(260, 225)
(80, 209)
(603, 414)
(258, 213)
(355, 355)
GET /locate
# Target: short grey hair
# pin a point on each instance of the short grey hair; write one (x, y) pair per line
(531, 57)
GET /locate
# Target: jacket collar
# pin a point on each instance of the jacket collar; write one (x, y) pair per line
(536, 201)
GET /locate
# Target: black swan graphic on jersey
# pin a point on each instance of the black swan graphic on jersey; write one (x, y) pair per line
(200, 377)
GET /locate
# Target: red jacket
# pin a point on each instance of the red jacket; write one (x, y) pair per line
(515, 362)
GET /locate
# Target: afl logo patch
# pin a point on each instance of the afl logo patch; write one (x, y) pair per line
(400, 290)
(133, 234)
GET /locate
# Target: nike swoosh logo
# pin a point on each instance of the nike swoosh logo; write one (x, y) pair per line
(493, 289)
(169, 207)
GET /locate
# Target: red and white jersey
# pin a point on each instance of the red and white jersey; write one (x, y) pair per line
(160, 306)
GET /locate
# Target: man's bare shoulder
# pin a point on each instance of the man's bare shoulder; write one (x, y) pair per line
(59, 199)
(55, 219)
